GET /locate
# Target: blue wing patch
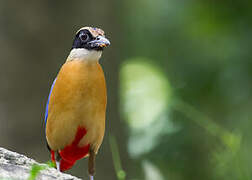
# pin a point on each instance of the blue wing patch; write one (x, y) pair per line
(46, 113)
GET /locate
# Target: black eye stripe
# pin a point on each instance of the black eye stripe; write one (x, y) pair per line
(85, 32)
(84, 37)
(82, 40)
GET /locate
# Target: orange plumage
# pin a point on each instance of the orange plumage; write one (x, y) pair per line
(78, 99)
(75, 116)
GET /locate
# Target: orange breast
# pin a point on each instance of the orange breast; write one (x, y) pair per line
(78, 100)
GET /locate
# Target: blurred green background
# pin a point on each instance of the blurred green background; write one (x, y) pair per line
(178, 75)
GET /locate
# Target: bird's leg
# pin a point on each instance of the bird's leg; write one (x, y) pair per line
(57, 160)
(91, 164)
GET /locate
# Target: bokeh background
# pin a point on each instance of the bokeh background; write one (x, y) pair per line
(178, 75)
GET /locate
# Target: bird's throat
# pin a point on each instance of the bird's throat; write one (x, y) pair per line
(84, 54)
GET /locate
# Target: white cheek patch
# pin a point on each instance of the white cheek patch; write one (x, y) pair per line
(84, 54)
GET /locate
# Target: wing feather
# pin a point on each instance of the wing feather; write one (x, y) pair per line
(47, 104)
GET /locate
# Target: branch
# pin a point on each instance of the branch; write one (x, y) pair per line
(17, 166)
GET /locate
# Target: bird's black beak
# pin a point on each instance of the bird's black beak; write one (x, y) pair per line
(99, 43)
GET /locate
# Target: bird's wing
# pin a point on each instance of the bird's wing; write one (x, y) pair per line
(46, 112)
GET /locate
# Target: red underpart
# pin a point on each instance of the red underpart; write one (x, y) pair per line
(71, 153)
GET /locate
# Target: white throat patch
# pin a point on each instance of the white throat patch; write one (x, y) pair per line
(84, 54)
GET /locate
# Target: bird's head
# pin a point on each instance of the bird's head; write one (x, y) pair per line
(88, 44)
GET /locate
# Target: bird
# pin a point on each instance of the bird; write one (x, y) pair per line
(76, 106)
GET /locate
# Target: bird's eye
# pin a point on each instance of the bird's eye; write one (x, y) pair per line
(84, 37)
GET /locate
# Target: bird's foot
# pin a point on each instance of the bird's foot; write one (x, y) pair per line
(58, 158)
(58, 165)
